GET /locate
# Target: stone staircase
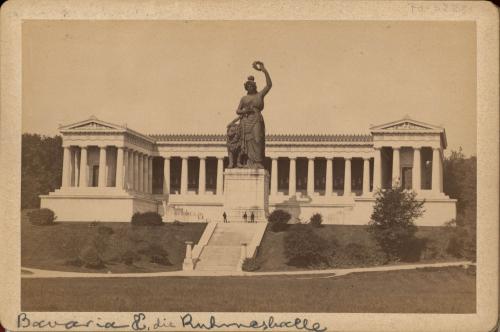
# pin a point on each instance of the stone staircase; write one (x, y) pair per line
(223, 250)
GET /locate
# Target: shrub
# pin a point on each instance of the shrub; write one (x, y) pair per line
(129, 257)
(304, 248)
(178, 223)
(156, 254)
(355, 254)
(146, 219)
(90, 257)
(392, 219)
(316, 220)
(42, 217)
(250, 264)
(462, 243)
(278, 219)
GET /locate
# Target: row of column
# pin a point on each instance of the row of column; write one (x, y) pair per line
(201, 176)
(274, 176)
(292, 186)
(134, 170)
(437, 168)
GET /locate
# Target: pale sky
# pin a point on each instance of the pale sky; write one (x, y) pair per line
(336, 77)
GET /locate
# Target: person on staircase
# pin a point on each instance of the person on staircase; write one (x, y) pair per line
(245, 216)
(252, 217)
(224, 215)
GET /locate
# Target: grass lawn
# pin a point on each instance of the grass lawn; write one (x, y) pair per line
(430, 290)
(52, 247)
(271, 255)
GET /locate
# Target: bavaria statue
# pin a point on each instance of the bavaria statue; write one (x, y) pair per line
(246, 133)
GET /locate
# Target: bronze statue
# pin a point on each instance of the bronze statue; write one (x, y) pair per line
(251, 144)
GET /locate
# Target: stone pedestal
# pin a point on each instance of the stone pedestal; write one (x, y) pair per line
(246, 190)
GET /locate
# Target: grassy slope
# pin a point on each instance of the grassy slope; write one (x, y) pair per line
(444, 290)
(50, 247)
(271, 254)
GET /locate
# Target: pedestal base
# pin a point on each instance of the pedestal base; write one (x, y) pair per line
(246, 190)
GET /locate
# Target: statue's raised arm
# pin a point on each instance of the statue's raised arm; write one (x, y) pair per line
(258, 65)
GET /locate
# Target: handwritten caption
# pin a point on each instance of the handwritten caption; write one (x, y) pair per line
(140, 322)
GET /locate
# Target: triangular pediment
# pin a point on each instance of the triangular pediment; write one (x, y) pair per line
(405, 124)
(92, 124)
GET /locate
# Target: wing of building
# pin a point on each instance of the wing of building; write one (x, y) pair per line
(111, 171)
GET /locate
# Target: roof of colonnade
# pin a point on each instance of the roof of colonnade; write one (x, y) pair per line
(403, 126)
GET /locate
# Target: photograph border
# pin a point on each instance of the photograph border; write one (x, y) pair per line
(485, 14)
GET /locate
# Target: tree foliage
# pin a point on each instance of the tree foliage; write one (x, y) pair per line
(460, 182)
(41, 167)
(392, 220)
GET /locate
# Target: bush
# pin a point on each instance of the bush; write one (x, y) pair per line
(355, 254)
(462, 243)
(392, 219)
(129, 257)
(316, 220)
(42, 217)
(156, 254)
(278, 219)
(250, 264)
(90, 257)
(304, 248)
(146, 219)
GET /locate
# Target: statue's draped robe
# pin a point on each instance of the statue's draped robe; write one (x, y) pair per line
(253, 129)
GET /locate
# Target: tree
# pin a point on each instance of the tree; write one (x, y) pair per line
(392, 220)
(460, 182)
(41, 167)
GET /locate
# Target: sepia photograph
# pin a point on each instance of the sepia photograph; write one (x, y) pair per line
(247, 166)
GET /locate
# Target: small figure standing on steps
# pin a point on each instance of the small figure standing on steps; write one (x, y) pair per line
(252, 217)
(224, 215)
(245, 216)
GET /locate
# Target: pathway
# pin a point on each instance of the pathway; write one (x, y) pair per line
(38, 273)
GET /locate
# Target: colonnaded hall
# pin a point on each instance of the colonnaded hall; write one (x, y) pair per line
(111, 171)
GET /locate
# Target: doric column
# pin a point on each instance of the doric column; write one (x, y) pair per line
(119, 167)
(77, 167)
(166, 175)
(220, 171)
(130, 171)
(145, 171)
(274, 176)
(66, 171)
(436, 170)
(72, 158)
(417, 170)
(292, 188)
(150, 175)
(329, 176)
(102, 166)
(184, 176)
(366, 176)
(140, 184)
(396, 176)
(310, 176)
(202, 177)
(136, 171)
(347, 176)
(84, 168)
(377, 169)
(125, 168)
